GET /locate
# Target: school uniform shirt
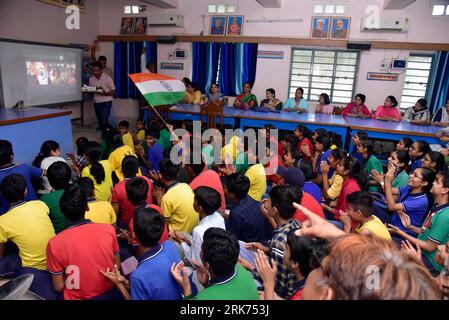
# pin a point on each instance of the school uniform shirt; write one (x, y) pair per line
(82, 250)
(310, 203)
(103, 191)
(436, 229)
(291, 103)
(441, 116)
(152, 280)
(177, 206)
(324, 157)
(312, 189)
(25, 170)
(336, 183)
(211, 179)
(376, 227)
(165, 235)
(207, 152)
(298, 288)
(28, 225)
(45, 164)
(116, 157)
(155, 154)
(101, 212)
(309, 144)
(401, 179)
(238, 285)
(415, 205)
(410, 114)
(258, 181)
(57, 218)
(127, 139)
(274, 142)
(373, 164)
(417, 163)
(241, 163)
(349, 186)
(120, 197)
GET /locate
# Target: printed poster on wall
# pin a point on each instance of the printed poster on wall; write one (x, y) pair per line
(266, 54)
(382, 76)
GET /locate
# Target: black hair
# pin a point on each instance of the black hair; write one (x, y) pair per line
(152, 133)
(369, 146)
(338, 154)
(130, 166)
(356, 171)
(307, 169)
(428, 175)
(148, 226)
(326, 98)
(238, 184)
(102, 58)
(220, 250)
(363, 135)
(403, 157)
(305, 132)
(94, 153)
(300, 89)
(80, 145)
(407, 142)
(361, 96)
(46, 148)
(115, 139)
(136, 190)
(208, 199)
(320, 131)
(272, 91)
(186, 81)
(445, 175)
(393, 100)
(213, 83)
(13, 187)
(124, 124)
(59, 174)
(423, 147)
(168, 169)
(361, 200)
(335, 139)
(291, 139)
(423, 103)
(282, 198)
(87, 186)
(307, 252)
(6, 152)
(438, 158)
(250, 85)
(197, 168)
(194, 86)
(97, 64)
(73, 203)
(325, 140)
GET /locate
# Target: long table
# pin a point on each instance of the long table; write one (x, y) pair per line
(192, 112)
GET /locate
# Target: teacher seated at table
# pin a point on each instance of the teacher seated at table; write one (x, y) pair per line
(271, 102)
(193, 94)
(214, 96)
(418, 114)
(441, 117)
(357, 108)
(298, 103)
(324, 104)
(246, 100)
(388, 111)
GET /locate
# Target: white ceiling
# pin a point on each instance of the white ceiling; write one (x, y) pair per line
(397, 4)
(164, 4)
(270, 3)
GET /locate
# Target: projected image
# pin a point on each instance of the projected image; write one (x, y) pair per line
(43, 73)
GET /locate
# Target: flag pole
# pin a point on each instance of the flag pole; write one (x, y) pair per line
(158, 114)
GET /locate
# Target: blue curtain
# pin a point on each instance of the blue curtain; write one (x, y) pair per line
(204, 64)
(237, 65)
(126, 61)
(439, 90)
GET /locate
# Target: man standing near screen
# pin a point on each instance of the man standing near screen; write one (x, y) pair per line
(102, 99)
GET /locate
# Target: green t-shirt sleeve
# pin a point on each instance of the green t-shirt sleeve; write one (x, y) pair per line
(439, 232)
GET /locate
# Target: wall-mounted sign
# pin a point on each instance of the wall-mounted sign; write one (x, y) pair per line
(264, 54)
(172, 65)
(382, 76)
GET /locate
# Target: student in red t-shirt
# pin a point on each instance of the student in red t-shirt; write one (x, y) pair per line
(305, 145)
(75, 255)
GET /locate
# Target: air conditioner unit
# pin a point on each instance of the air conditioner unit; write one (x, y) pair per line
(172, 20)
(385, 24)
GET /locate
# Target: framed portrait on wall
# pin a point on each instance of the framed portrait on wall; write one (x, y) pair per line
(127, 25)
(217, 25)
(235, 26)
(140, 25)
(340, 27)
(320, 27)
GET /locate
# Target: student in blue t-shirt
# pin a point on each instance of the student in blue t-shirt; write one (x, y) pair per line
(152, 279)
(323, 150)
(417, 152)
(7, 166)
(155, 152)
(309, 186)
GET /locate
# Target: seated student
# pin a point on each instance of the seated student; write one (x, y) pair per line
(434, 160)
(127, 138)
(99, 171)
(322, 152)
(119, 152)
(266, 133)
(154, 153)
(417, 152)
(435, 229)
(26, 224)
(400, 160)
(245, 218)
(305, 145)
(309, 186)
(418, 114)
(302, 255)
(256, 175)
(199, 176)
(79, 160)
(292, 158)
(140, 132)
(388, 111)
(152, 279)
(7, 166)
(99, 211)
(222, 277)
(207, 202)
(332, 187)
(271, 103)
(86, 245)
(413, 199)
(215, 96)
(324, 104)
(246, 100)
(298, 103)
(357, 108)
(370, 163)
(357, 139)
(193, 94)
(441, 117)
(164, 134)
(360, 210)
(50, 152)
(58, 175)
(177, 201)
(122, 206)
(404, 144)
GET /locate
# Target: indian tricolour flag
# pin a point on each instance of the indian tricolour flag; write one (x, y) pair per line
(159, 89)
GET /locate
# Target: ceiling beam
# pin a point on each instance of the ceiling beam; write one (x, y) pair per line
(270, 3)
(397, 4)
(164, 4)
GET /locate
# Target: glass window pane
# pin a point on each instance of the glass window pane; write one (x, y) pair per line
(343, 74)
(343, 87)
(427, 59)
(307, 59)
(321, 85)
(321, 79)
(340, 8)
(418, 65)
(320, 66)
(346, 68)
(318, 8)
(422, 80)
(212, 8)
(321, 72)
(438, 10)
(352, 55)
(324, 54)
(340, 100)
(300, 65)
(299, 84)
(348, 61)
(344, 81)
(128, 10)
(329, 8)
(340, 93)
(419, 73)
(323, 60)
(302, 53)
(300, 78)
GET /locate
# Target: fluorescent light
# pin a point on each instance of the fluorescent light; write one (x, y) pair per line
(230, 8)
(329, 8)
(340, 8)
(135, 9)
(318, 8)
(438, 10)
(212, 8)
(127, 9)
(221, 8)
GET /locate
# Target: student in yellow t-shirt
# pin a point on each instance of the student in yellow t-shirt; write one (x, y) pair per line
(120, 152)
(360, 208)
(256, 175)
(27, 224)
(127, 138)
(99, 171)
(99, 211)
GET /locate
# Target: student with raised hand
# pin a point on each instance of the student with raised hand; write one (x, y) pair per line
(152, 279)
(298, 103)
(434, 160)
(417, 152)
(357, 108)
(332, 187)
(99, 171)
(305, 145)
(323, 150)
(400, 160)
(418, 114)
(221, 276)
(370, 162)
(388, 111)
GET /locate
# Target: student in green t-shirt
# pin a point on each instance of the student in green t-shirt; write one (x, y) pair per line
(228, 280)
(58, 175)
(435, 229)
(400, 159)
(366, 149)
